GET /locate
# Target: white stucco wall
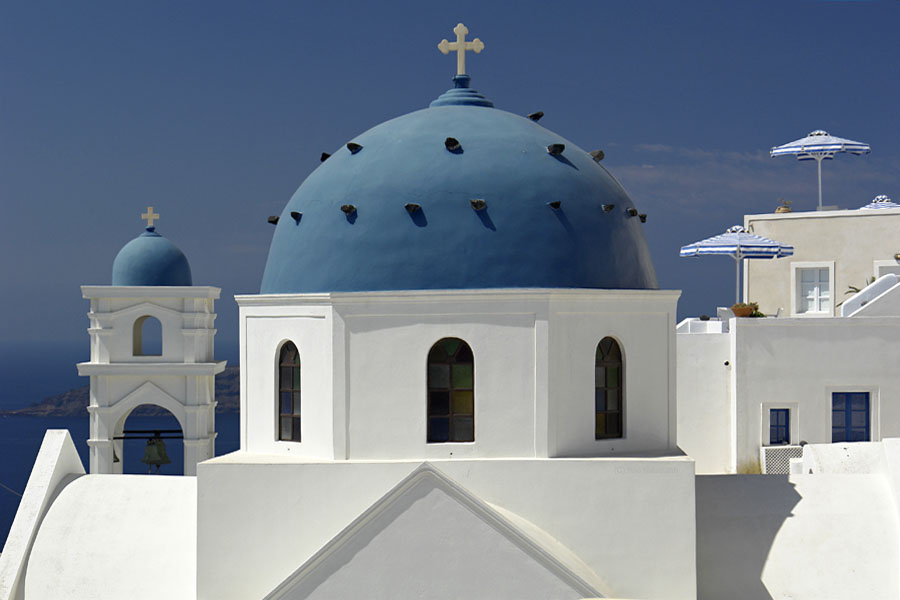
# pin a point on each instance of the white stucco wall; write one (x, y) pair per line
(419, 539)
(793, 363)
(799, 363)
(853, 239)
(117, 536)
(807, 536)
(311, 328)
(705, 402)
(617, 515)
(364, 382)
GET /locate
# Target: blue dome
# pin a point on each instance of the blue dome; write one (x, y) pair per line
(151, 259)
(353, 224)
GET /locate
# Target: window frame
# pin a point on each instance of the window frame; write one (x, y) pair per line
(786, 427)
(294, 388)
(619, 389)
(765, 421)
(870, 414)
(797, 298)
(432, 389)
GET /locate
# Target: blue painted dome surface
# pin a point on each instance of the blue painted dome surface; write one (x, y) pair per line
(517, 240)
(151, 259)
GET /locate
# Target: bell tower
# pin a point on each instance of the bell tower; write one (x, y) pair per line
(152, 342)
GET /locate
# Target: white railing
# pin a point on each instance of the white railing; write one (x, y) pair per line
(869, 293)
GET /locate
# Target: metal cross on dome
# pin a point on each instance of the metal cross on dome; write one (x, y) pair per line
(150, 216)
(460, 46)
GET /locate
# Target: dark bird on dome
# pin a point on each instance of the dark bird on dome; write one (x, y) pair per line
(536, 116)
(597, 155)
(325, 156)
(273, 219)
(353, 147)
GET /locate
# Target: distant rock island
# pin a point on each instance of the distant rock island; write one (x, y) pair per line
(74, 402)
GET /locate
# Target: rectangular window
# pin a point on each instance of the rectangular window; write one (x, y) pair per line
(850, 417)
(779, 426)
(813, 294)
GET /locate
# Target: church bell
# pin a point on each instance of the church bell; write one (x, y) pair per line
(155, 454)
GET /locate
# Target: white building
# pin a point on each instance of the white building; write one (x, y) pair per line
(458, 380)
(750, 391)
(833, 250)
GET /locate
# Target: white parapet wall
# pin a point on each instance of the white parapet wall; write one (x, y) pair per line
(629, 520)
(705, 402)
(56, 466)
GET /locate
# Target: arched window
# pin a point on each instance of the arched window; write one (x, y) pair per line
(289, 393)
(451, 392)
(146, 337)
(609, 379)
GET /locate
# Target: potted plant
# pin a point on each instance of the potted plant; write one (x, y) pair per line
(744, 309)
(784, 206)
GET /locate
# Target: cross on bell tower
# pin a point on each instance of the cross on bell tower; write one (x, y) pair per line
(460, 46)
(150, 216)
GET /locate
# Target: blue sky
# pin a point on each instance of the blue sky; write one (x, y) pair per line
(215, 112)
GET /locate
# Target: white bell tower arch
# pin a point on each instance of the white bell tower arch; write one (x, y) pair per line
(151, 289)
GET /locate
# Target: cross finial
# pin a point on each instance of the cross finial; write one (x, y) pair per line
(461, 46)
(150, 216)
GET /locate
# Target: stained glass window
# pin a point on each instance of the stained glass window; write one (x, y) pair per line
(609, 383)
(451, 392)
(288, 400)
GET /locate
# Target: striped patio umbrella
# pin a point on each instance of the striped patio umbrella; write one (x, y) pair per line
(819, 146)
(880, 201)
(739, 244)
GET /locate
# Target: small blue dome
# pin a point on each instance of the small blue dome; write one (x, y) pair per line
(459, 195)
(151, 259)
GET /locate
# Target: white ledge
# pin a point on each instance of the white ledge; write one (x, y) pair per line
(150, 291)
(496, 294)
(139, 368)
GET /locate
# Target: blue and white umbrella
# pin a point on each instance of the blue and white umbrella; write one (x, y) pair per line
(880, 201)
(739, 244)
(819, 146)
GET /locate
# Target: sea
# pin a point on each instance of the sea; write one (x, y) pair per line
(29, 374)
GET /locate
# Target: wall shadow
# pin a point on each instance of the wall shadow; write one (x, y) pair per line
(738, 518)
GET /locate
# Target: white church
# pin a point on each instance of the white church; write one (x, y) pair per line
(458, 380)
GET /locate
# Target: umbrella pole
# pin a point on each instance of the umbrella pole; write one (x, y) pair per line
(737, 279)
(819, 161)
